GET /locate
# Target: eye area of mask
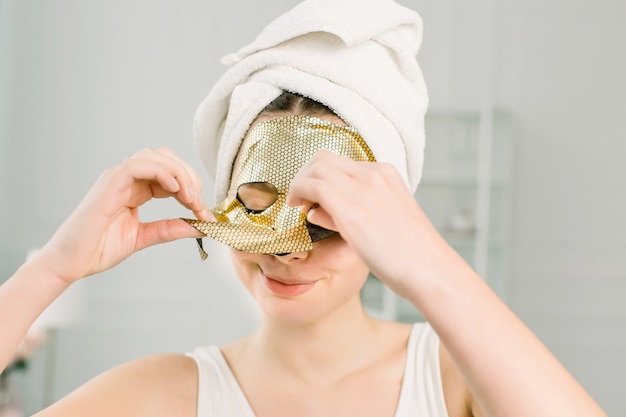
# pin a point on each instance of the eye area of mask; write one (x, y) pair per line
(257, 197)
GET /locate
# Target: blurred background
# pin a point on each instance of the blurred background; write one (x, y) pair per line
(85, 83)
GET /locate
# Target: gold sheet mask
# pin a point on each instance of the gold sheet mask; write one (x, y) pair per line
(254, 216)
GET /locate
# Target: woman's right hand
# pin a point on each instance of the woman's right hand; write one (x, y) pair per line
(105, 228)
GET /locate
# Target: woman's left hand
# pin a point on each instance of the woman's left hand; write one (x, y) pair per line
(373, 210)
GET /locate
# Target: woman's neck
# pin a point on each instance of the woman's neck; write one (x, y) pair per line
(331, 346)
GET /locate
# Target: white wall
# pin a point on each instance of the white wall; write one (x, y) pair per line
(83, 84)
(565, 82)
(558, 67)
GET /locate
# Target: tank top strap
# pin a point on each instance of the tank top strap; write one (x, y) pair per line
(422, 390)
(219, 394)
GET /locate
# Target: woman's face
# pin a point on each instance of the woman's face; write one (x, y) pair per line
(303, 286)
(300, 286)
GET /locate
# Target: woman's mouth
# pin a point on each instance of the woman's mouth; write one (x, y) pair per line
(287, 288)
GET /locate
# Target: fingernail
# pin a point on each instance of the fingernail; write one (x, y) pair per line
(208, 215)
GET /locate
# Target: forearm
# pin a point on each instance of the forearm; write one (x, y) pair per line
(509, 371)
(22, 299)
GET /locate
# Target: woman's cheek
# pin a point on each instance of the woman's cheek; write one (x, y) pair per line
(244, 265)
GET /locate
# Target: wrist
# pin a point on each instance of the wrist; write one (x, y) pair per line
(439, 276)
(41, 271)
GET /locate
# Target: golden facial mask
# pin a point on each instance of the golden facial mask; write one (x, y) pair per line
(254, 216)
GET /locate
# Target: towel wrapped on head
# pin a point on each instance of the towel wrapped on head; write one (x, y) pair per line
(355, 56)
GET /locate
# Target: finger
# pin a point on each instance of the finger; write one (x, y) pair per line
(126, 185)
(191, 180)
(170, 163)
(147, 166)
(166, 164)
(195, 199)
(317, 215)
(320, 179)
(349, 193)
(299, 195)
(162, 231)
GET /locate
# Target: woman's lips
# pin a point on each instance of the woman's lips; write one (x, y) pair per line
(286, 289)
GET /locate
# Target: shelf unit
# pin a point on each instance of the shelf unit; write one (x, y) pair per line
(465, 193)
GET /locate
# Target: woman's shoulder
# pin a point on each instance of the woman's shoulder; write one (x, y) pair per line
(159, 385)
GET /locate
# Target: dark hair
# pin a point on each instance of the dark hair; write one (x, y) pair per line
(289, 102)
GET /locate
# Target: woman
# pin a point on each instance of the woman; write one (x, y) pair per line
(317, 352)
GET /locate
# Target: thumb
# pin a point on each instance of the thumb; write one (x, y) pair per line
(162, 231)
(320, 217)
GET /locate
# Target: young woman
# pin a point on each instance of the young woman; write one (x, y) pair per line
(317, 351)
(301, 167)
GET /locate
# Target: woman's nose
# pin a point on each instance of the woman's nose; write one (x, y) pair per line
(292, 256)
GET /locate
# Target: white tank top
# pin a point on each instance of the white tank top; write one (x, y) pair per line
(421, 395)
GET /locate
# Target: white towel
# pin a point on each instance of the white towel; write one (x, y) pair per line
(358, 57)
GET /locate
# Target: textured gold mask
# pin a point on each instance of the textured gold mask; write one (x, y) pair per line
(270, 156)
